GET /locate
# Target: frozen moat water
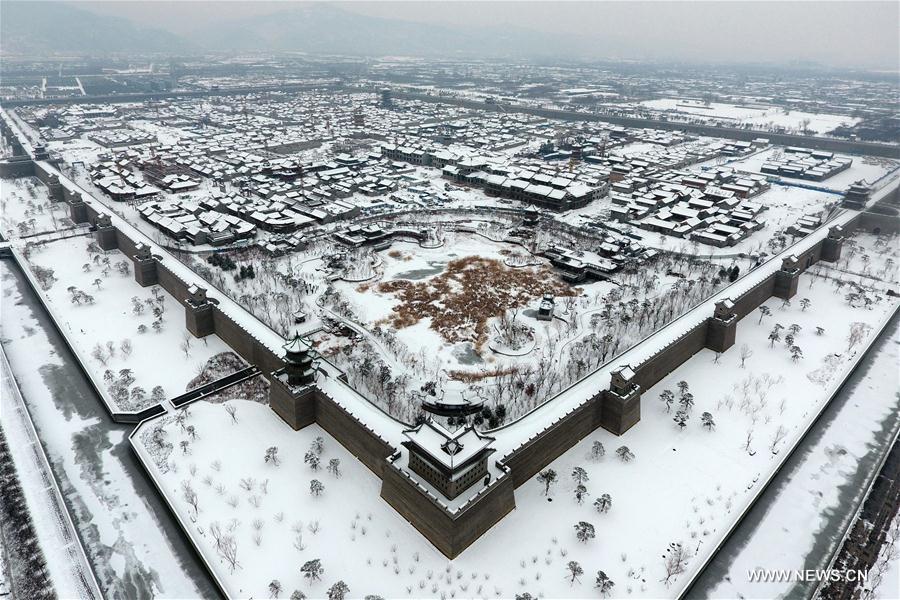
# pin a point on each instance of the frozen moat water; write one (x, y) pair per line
(132, 541)
(866, 407)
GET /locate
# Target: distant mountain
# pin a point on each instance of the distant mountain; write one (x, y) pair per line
(30, 27)
(328, 29)
(56, 27)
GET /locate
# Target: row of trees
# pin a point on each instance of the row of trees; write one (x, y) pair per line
(28, 566)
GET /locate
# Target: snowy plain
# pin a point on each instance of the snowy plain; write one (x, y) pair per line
(111, 318)
(771, 398)
(126, 536)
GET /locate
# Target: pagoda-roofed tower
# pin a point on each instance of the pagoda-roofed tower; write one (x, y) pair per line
(857, 195)
(300, 361)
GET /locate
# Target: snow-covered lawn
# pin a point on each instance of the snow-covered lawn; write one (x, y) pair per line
(682, 487)
(106, 328)
(26, 208)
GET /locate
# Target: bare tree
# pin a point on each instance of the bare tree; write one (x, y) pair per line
(334, 467)
(747, 441)
(312, 570)
(312, 459)
(604, 584)
(338, 591)
(190, 496)
(746, 353)
(779, 435)
(858, 332)
(675, 560)
(228, 551)
(603, 503)
(231, 409)
(584, 531)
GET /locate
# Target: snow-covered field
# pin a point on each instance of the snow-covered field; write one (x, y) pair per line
(126, 539)
(759, 417)
(70, 572)
(105, 330)
(811, 509)
(26, 209)
(770, 116)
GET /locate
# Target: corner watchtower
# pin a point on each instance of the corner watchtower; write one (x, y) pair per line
(450, 462)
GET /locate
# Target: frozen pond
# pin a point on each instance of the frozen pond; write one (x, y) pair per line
(132, 541)
(434, 268)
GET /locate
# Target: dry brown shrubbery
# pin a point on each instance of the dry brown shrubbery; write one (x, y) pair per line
(472, 377)
(470, 291)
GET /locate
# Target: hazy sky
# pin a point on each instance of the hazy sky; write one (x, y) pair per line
(839, 33)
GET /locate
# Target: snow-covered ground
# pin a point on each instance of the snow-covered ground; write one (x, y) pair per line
(70, 572)
(884, 581)
(126, 540)
(169, 358)
(772, 400)
(770, 116)
(811, 508)
(26, 209)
